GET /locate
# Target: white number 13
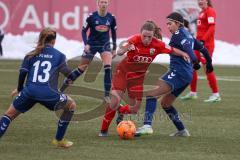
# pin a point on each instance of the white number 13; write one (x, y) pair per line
(45, 77)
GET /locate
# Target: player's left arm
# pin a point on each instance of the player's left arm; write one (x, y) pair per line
(85, 29)
(63, 68)
(200, 47)
(114, 33)
(164, 48)
(23, 71)
(211, 18)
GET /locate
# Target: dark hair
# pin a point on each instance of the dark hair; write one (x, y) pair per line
(46, 36)
(177, 17)
(150, 25)
(186, 23)
(210, 3)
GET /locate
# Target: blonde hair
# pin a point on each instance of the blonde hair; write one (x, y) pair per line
(47, 35)
(99, 0)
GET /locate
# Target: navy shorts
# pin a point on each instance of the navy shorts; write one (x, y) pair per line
(94, 49)
(177, 82)
(23, 102)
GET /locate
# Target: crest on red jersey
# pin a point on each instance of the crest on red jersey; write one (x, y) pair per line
(152, 51)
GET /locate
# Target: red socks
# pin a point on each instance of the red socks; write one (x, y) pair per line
(107, 119)
(212, 82)
(193, 85)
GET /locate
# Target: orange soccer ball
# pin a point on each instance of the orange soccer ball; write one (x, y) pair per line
(126, 129)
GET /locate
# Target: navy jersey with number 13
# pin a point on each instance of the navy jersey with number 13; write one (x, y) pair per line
(43, 71)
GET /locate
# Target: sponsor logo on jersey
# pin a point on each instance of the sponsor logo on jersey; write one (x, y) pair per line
(107, 23)
(96, 22)
(211, 20)
(170, 76)
(102, 28)
(142, 59)
(2, 128)
(152, 51)
(4, 125)
(62, 98)
(177, 32)
(183, 41)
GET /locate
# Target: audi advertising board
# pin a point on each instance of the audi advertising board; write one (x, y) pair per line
(31, 15)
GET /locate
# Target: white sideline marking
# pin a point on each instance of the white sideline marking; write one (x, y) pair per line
(9, 70)
(219, 78)
(223, 78)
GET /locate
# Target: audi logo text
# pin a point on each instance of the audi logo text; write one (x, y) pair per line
(142, 59)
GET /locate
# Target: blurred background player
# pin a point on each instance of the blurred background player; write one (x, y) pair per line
(205, 33)
(141, 50)
(1, 39)
(100, 24)
(174, 82)
(41, 67)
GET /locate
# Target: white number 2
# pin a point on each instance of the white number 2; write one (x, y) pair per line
(42, 78)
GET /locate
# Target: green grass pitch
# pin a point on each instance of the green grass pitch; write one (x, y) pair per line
(214, 128)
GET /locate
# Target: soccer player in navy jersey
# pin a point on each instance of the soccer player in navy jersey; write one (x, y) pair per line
(42, 67)
(100, 24)
(179, 76)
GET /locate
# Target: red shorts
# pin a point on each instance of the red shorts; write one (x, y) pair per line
(130, 81)
(201, 58)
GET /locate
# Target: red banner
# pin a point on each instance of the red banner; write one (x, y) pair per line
(68, 16)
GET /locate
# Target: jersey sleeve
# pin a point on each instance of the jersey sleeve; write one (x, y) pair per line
(134, 39)
(164, 48)
(114, 32)
(200, 47)
(25, 64)
(211, 16)
(188, 48)
(63, 68)
(85, 29)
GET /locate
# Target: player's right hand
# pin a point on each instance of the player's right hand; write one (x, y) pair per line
(131, 47)
(14, 92)
(186, 58)
(87, 48)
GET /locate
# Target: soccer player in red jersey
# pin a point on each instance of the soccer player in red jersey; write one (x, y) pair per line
(141, 50)
(205, 33)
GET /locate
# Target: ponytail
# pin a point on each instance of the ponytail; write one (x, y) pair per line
(157, 30)
(47, 35)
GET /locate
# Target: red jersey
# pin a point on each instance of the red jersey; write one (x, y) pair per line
(206, 26)
(139, 59)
